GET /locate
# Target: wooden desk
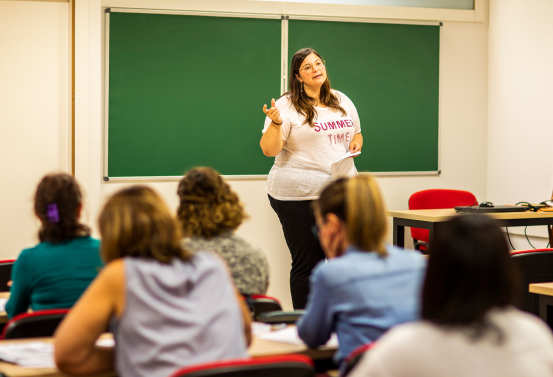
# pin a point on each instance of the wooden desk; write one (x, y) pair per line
(433, 219)
(258, 348)
(545, 299)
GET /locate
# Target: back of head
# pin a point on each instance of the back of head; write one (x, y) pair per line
(469, 273)
(136, 222)
(358, 203)
(58, 201)
(208, 207)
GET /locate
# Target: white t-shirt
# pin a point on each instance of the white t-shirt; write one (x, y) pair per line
(302, 168)
(423, 349)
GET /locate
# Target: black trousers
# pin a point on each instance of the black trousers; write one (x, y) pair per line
(297, 220)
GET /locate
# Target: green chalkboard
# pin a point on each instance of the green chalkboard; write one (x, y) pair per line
(391, 73)
(189, 90)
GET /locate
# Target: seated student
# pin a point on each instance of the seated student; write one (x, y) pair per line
(168, 308)
(366, 287)
(55, 273)
(469, 327)
(209, 212)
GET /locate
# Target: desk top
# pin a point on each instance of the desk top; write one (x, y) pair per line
(258, 348)
(541, 288)
(439, 215)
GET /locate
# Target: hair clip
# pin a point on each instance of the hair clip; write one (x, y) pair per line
(52, 213)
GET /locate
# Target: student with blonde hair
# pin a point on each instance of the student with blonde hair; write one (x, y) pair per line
(366, 286)
(167, 307)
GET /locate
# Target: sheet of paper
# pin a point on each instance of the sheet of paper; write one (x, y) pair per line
(3, 304)
(342, 166)
(32, 354)
(260, 328)
(106, 342)
(290, 335)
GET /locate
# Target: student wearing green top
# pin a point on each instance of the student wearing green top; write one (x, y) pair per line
(55, 273)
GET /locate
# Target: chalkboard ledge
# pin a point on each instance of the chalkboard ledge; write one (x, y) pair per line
(171, 178)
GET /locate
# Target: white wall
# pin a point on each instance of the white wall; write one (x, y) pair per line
(463, 123)
(463, 126)
(34, 111)
(520, 124)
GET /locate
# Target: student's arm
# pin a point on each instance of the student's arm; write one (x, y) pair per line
(316, 325)
(271, 142)
(20, 291)
(247, 318)
(75, 351)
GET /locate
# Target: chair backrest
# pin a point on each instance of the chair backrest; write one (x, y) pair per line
(262, 304)
(5, 274)
(42, 323)
(535, 266)
(279, 316)
(438, 199)
(273, 366)
(353, 358)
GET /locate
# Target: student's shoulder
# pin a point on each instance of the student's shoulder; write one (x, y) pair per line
(284, 103)
(412, 257)
(342, 98)
(331, 272)
(525, 324)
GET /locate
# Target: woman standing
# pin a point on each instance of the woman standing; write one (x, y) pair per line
(307, 129)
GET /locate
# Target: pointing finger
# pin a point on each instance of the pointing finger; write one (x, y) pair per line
(273, 104)
(265, 109)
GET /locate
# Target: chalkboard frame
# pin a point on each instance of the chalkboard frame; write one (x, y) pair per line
(284, 82)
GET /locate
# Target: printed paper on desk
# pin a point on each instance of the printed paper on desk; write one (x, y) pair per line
(31, 354)
(3, 304)
(341, 167)
(290, 335)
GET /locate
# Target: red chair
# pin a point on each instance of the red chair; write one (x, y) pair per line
(353, 358)
(39, 324)
(262, 304)
(5, 274)
(534, 266)
(436, 199)
(274, 366)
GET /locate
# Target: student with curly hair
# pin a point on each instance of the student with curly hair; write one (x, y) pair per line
(54, 273)
(209, 212)
(167, 307)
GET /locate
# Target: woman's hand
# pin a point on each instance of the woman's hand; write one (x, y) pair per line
(273, 113)
(356, 143)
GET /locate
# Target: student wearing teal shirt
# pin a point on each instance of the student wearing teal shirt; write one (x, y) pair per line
(55, 273)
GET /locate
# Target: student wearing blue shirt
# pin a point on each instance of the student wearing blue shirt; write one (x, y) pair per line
(366, 287)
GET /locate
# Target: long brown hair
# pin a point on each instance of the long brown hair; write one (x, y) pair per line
(301, 101)
(358, 203)
(136, 222)
(57, 201)
(208, 207)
